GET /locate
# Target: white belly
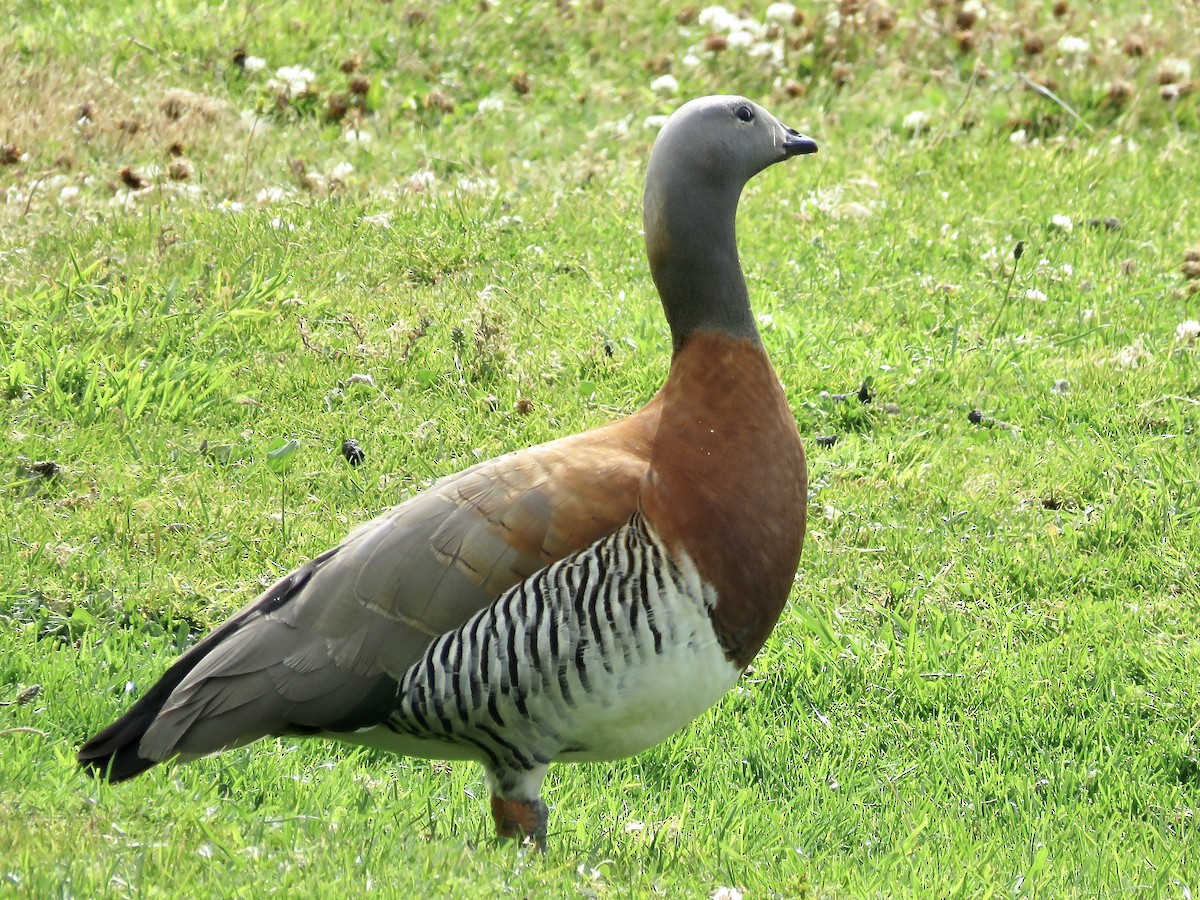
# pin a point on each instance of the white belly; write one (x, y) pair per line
(642, 706)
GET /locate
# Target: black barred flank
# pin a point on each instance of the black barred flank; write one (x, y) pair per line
(507, 680)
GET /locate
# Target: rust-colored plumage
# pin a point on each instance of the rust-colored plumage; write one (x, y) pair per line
(727, 483)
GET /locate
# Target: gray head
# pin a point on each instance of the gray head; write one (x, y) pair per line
(706, 152)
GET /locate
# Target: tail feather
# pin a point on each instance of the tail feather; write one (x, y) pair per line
(116, 753)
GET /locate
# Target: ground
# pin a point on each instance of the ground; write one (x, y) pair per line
(231, 239)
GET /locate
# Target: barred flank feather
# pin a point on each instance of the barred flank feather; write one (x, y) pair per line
(569, 663)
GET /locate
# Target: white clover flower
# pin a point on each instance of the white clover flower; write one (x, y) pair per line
(356, 136)
(1018, 137)
(916, 121)
(68, 193)
(469, 184)
(270, 195)
(229, 206)
(252, 64)
(292, 81)
(1062, 223)
(1067, 269)
(740, 38)
(1185, 332)
(781, 13)
(341, 171)
(726, 893)
(718, 18)
(1132, 356)
(975, 8)
(665, 84)
(421, 180)
(1035, 295)
(1070, 45)
(654, 123)
(491, 104)
(1061, 387)
(771, 50)
(690, 61)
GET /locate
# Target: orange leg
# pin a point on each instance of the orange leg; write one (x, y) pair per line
(521, 819)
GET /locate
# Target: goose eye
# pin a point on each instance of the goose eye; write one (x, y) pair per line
(745, 113)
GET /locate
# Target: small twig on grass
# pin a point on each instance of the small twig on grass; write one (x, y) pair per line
(146, 47)
(1050, 95)
(33, 190)
(24, 730)
(1165, 397)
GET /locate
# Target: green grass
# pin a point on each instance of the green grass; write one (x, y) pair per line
(986, 680)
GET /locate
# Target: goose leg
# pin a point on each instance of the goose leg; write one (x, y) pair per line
(517, 807)
(521, 819)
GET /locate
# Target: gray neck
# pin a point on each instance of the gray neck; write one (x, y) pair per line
(692, 245)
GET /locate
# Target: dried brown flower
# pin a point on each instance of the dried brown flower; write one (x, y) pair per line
(795, 89)
(179, 169)
(965, 41)
(129, 126)
(351, 64)
(132, 179)
(1167, 75)
(336, 106)
(360, 85)
(883, 20)
(10, 154)
(521, 83)
(657, 65)
(842, 74)
(523, 406)
(687, 15)
(175, 149)
(1119, 92)
(1134, 45)
(1060, 8)
(1033, 45)
(439, 100)
(715, 42)
(966, 18)
(414, 17)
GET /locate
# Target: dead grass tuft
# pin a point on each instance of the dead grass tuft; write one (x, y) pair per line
(178, 104)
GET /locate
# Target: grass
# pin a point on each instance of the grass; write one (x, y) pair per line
(985, 682)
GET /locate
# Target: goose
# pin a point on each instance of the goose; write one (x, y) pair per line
(576, 601)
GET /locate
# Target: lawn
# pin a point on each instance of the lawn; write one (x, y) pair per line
(233, 237)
